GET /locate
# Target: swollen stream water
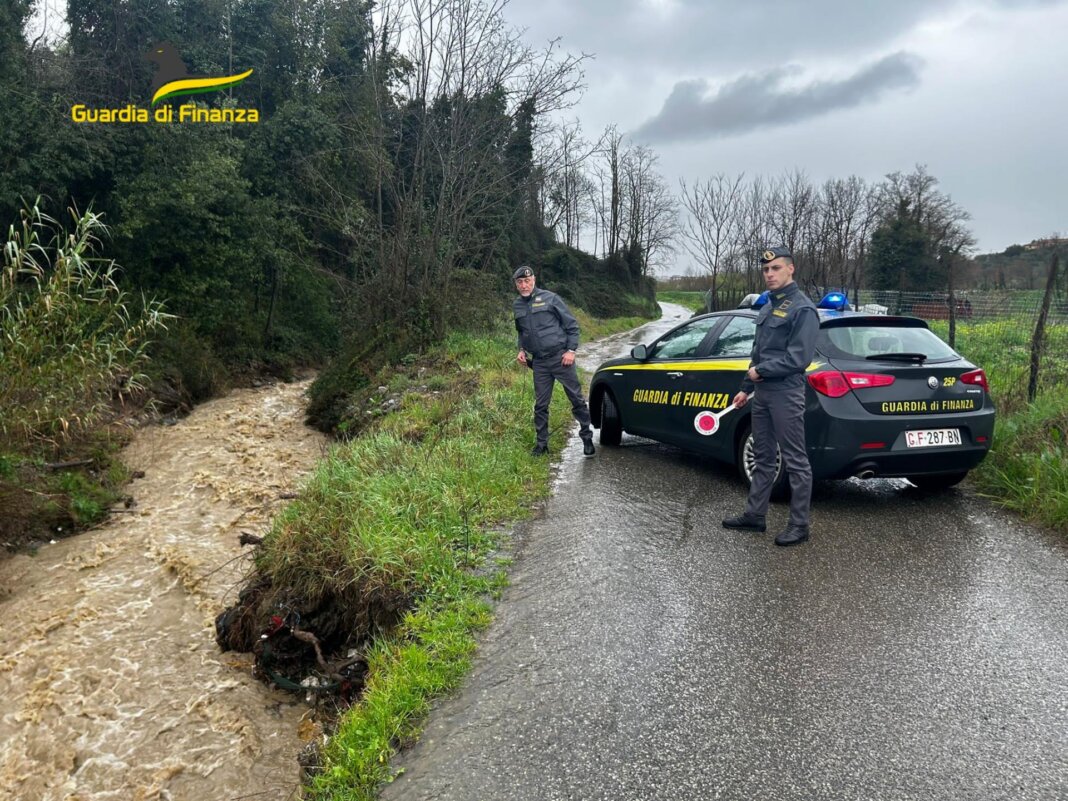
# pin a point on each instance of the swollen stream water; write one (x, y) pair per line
(111, 684)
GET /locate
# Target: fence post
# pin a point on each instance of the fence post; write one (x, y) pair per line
(1040, 329)
(952, 308)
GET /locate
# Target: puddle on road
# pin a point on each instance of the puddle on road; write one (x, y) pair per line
(112, 684)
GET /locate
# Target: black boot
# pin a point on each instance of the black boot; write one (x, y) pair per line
(539, 450)
(746, 522)
(587, 446)
(792, 535)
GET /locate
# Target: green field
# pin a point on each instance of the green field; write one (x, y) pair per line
(1027, 468)
(695, 301)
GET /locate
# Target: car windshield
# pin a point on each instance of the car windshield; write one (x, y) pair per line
(867, 341)
(683, 342)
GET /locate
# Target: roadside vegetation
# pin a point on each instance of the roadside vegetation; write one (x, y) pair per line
(72, 352)
(1027, 468)
(399, 532)
(694, 301)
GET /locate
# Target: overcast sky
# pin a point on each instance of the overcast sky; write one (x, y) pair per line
(976, 90)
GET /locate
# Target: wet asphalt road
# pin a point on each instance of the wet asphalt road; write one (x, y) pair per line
(915, 648)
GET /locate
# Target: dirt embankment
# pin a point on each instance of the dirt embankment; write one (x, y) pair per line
(112, 684)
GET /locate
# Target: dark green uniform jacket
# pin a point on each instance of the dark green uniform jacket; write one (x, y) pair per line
(785, 340)
(546, 326)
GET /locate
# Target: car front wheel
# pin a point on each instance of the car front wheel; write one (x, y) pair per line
(939, 481)
(611, 423)
(746, 461)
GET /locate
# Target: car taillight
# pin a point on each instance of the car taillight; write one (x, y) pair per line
(829, 382)
(834, 384)
(862, 380)
(977, 377)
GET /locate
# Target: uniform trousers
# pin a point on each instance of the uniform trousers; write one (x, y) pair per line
(779, 416)
(546, 372)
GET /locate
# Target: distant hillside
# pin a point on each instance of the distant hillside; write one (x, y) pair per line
(1021, 266)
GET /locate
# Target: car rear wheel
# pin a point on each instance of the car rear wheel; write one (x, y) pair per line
(746, 461)
(611, 423)
(939, 481)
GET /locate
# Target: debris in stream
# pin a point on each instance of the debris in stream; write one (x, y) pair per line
(311, 647)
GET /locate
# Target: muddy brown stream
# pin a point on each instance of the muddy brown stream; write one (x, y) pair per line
(111, 684)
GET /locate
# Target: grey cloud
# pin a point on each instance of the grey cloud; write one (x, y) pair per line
(631, 38)
(716, 35)
(759, 100)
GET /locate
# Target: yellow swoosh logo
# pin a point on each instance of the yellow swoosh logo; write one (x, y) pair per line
(194, 86)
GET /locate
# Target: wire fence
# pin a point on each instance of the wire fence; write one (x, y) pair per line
(995, 330)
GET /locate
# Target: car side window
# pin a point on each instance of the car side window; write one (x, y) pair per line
(736, 339)
(682, 343)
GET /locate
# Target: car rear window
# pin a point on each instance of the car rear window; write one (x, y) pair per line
(863, 340)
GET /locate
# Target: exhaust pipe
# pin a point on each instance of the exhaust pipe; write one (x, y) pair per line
(865, 472)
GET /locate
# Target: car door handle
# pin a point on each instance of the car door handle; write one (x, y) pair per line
(674, 375)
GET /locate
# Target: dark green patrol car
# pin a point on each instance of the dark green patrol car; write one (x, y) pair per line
(885, 398)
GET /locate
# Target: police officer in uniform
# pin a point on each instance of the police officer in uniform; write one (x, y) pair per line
(548, 337)
(782, 350)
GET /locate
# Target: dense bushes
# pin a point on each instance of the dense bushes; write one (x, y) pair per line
(603, 287)
(475, 302)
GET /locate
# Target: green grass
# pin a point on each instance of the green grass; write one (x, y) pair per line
(40, 503)
(1027, 467)
(410, 510)
(595, 328)
(1003, 349)
(694, 301)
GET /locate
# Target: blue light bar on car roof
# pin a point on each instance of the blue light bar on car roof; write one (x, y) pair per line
(834, 300)
(762, 299)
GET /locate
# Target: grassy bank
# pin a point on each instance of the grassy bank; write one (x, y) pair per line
(50, 494)
(407, 514)
(694, 301)
(1027, 468)
(594, 328)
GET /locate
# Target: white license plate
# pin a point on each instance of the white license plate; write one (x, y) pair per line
(932, 438)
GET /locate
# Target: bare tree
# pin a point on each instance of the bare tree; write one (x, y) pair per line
(754, 231)
(613, 220)
(446, 77)
(565, 186)
(845, 222)
(791, 207)
(649, 210)
(713, 230)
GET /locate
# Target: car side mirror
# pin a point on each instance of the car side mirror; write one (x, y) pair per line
(639, 352)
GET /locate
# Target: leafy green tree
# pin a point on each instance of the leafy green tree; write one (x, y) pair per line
(913, 203)
(108, 43)
(899, 258)
(190, 232)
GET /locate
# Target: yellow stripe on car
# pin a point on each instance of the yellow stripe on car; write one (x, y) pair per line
(709, 364)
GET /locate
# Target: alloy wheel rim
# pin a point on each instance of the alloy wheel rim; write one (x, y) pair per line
(749, 458)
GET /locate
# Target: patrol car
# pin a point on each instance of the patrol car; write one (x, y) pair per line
(885, 397)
